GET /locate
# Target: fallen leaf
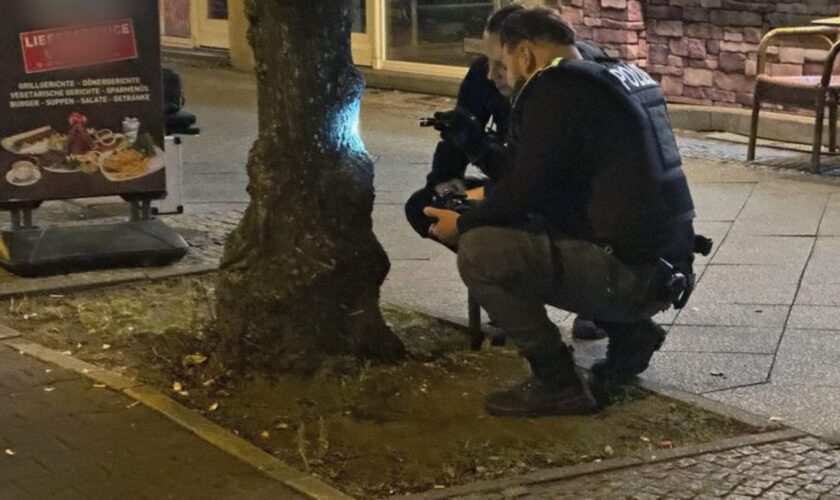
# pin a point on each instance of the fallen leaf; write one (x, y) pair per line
(609, 450)
(194, 359)
(666, 444)
(105, 347)
(177, 387)
(100, 386)
(66, 353)
(10, 452)
(184, 393)
(213, 407)
(47, 371)
(644, 439)
(282, 426)
(49, 389)
(265, 434)
(776, 419)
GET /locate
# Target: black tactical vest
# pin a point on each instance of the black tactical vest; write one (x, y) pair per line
(641, 96)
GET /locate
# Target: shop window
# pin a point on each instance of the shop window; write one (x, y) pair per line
(359, 16)
(217, 9)
(176, 18)
(443, 32)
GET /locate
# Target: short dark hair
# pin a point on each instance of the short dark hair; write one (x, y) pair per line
(498, 18)
(536, 25)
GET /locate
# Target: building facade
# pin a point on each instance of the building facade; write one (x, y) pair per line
(432, 37)
(702, 51)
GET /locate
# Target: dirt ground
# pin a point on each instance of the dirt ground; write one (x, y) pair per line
(371, 431)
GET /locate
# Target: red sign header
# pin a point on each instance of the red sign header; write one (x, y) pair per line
(76, 46)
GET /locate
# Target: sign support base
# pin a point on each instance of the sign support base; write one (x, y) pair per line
(35, 252)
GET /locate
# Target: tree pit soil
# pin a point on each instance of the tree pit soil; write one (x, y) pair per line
(372, 431)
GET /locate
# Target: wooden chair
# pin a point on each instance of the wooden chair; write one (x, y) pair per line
(808, 92)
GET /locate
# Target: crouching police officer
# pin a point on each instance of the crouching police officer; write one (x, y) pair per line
(594, 218)
(475, 133)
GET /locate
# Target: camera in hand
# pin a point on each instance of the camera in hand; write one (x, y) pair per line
(451, 200)
(429, 122)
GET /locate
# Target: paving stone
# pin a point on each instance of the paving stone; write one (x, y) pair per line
(830, 225)
(808, 357)
(720, 202)
(703, 372)
(733, 315)
(815, 317)
(818, 294)
(810, 407)
(723, 339)
(765, 250)
(781, 214)
(680, 479)
(747, 284)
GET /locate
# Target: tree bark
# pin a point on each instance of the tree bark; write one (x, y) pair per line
(301, 274)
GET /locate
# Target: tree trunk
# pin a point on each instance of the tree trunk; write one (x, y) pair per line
(301, 274)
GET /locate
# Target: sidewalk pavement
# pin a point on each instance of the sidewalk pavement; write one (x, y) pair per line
(803, 469)
(762, 332)
(62, 438)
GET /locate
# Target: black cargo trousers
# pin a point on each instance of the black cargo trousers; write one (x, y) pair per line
(514, 273)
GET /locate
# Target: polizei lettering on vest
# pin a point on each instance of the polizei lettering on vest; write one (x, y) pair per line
(632, 77)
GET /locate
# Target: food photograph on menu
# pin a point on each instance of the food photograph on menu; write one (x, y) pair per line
(80, 85)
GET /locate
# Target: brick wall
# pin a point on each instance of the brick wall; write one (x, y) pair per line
(702, 51)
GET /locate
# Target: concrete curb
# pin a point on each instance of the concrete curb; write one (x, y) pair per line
(563, 473)
(190, 420)
(86, 281)
(780, 127)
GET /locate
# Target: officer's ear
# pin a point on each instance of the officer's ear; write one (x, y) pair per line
(526, 54)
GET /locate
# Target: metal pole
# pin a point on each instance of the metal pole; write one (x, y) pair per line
(415, 35)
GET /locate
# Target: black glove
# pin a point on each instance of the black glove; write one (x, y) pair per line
(463, 130)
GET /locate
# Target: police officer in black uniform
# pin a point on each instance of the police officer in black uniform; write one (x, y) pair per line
(594, 218)
(475, 133)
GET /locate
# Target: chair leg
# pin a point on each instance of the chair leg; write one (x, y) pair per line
(754, 128)
(474, 315)
(818, 130)
(832, 124)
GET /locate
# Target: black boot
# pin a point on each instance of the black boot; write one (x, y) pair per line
(587, 329)
(553, 389)
(629, 353)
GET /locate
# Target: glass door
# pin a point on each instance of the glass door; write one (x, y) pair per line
(361, 38)
(437, 32)
(213, 24)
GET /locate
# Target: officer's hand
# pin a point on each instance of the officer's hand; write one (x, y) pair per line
(444, 119)
(445, 230)
(463, 130)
